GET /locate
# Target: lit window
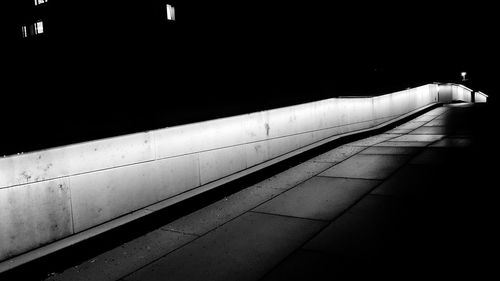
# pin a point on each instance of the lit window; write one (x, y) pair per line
(38, 27)
(25, 32)
(39, 2)
(170, 12)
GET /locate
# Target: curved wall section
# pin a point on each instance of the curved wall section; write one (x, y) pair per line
(56, 193)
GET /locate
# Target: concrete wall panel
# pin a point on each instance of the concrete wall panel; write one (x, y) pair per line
(101, 196)
(177, 174)
(34, 214)
(256, 153)
(216, 164)
(480, 97)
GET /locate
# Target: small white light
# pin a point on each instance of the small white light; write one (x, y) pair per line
(463, 75)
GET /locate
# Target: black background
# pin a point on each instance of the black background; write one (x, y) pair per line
(105, 68)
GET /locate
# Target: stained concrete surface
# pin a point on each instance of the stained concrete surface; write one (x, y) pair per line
(429, 214)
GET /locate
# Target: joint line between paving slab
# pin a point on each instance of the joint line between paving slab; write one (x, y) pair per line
(352, 178)
(180, 232)
(286, 216)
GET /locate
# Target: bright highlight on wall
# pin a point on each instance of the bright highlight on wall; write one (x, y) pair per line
(38, 2)
(39, 27)
(170, 12)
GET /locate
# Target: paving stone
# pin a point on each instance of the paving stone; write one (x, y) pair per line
(437, 111)
(411, 125)
(367, 166)
(453, 142)
(438, 156)
(424, 118)
(425, 138)
(306, 265)
(243, 249)
(365, 232)
(374, 140)
(411, 181)
(390, 150)
(321, 198)
(431, 130)
(446, 115)
(294, 175)
(437, 122)
(398, 131)
(222, 211)
(338, 154)
(403, 144)
(129, 257)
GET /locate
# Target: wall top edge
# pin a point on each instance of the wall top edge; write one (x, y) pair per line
(458, 85)
(481, 93)
(202, 122)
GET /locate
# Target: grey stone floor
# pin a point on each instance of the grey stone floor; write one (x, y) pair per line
(410, 203)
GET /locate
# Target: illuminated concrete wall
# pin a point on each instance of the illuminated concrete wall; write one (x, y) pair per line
(454, 92)
(480, 97)
(55, 193)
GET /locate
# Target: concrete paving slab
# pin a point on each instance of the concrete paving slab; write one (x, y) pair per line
(321, 198)
(411, 125)
(338, 154)
(129, 257)
(437, 111)
(374, 140)
(446, 115)
(425, 138)
(306, 265)
(424, 118)
(431, 130)
(385, 207)
(390, 150)
(411, 181)
(364, 233)
(398, 131)
(453, 142)
(437, 156)
(222, 211)
(403, 144)
(243, 249)
(367, 166)
(295, 175)
(437, 122)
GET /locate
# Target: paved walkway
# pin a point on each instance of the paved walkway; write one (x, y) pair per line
(404, 204)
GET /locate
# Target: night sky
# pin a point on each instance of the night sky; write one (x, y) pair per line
(105, 68)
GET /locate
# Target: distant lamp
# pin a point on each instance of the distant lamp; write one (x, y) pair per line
(463, 76)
